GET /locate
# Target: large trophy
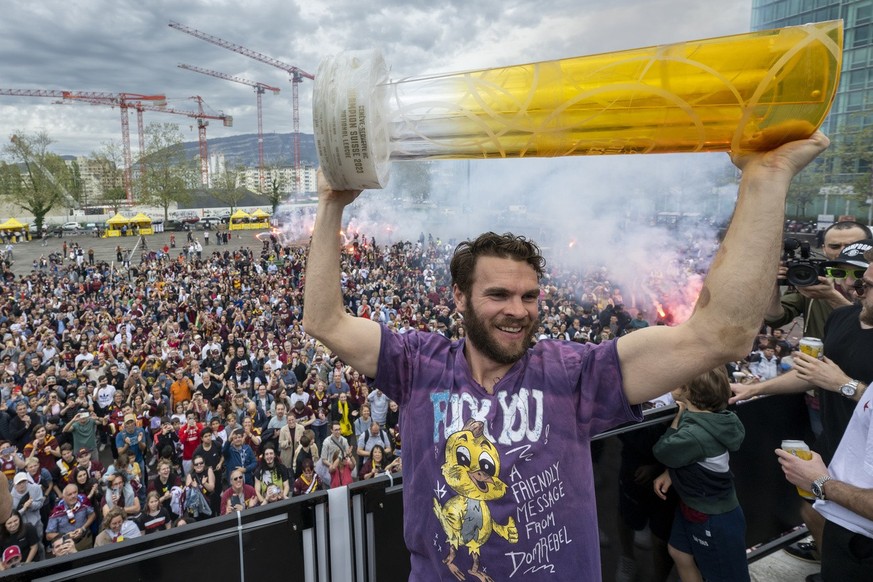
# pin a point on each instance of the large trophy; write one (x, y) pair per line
(736, 93)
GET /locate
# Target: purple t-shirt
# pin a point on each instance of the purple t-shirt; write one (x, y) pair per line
(515, 487)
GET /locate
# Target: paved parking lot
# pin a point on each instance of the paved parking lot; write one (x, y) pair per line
(104, 248)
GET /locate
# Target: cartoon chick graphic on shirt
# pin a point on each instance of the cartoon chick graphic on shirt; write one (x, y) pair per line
(471, 469)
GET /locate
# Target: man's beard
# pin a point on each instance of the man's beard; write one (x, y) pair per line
(479, 335)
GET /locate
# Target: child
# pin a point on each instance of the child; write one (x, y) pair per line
(709, 529)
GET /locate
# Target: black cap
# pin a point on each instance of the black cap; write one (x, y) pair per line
(853, 254)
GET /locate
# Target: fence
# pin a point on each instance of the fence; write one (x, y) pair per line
(354, 533)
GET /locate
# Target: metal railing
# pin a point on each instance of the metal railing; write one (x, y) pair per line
(355, 533)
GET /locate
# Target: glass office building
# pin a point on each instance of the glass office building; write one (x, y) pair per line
(856, 84)
(853, 106)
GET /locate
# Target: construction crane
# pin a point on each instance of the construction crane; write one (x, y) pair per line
(260, 88)
(201, 117)
(297, 76)
(122, 100)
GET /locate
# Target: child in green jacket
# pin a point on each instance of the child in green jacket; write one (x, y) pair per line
(709, 530)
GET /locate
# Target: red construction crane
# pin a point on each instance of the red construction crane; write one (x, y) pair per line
(297, 76)
(122, 100)
(200, 115)
(260, 88)
(201, 118)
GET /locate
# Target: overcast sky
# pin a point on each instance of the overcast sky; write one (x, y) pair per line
(126, 46)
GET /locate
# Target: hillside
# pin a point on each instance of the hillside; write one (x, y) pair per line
(243, 149)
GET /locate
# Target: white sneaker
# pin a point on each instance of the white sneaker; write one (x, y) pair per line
(626, 571)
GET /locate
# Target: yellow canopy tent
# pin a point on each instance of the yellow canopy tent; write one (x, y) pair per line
(239, 220)
(115, 226)
(12, 224)
(260, 219)
(15, 229)
(143, 223)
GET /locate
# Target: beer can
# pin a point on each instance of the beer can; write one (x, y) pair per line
(812, 346)
(799, 449)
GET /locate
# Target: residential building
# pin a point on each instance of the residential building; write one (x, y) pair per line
(286, 178)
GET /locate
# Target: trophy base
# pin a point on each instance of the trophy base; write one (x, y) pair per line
(351, 134)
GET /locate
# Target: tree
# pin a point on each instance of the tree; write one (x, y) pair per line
(857, 147)
(110, 177)
(36, 180)
(168, 169)
(803, 191)
(226, 188)
(851, 155)
(278, 183)
(76, 187)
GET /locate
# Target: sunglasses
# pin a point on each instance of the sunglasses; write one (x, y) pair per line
(837, 273)
(237, 479)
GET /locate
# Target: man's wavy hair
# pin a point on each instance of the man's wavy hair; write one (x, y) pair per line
(490, 244)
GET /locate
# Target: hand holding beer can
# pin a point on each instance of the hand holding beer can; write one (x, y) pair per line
(812, 346)
(799, 449)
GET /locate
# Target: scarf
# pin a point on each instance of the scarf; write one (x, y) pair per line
(310, 485)
(345, 424)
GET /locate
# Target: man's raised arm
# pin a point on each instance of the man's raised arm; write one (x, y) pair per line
(354, 339)
(731, 305)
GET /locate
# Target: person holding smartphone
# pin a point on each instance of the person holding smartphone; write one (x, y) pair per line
(239, 495)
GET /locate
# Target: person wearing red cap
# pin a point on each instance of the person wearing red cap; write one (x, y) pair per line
(15, 532)
(11, 557)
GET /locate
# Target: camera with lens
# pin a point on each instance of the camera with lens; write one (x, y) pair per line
(802, 271)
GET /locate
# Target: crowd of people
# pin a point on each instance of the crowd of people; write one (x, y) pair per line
(193, 377)
(195, 374)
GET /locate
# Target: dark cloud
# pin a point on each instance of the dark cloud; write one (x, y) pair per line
(126, 45)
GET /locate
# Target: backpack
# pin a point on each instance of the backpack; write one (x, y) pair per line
(382, 433)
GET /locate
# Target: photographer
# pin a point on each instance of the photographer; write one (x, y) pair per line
(815, 302)
(840, 376)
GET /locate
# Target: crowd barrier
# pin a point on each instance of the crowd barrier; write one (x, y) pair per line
(354, 533)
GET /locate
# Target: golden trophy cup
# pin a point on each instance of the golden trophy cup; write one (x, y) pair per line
(744, 92)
